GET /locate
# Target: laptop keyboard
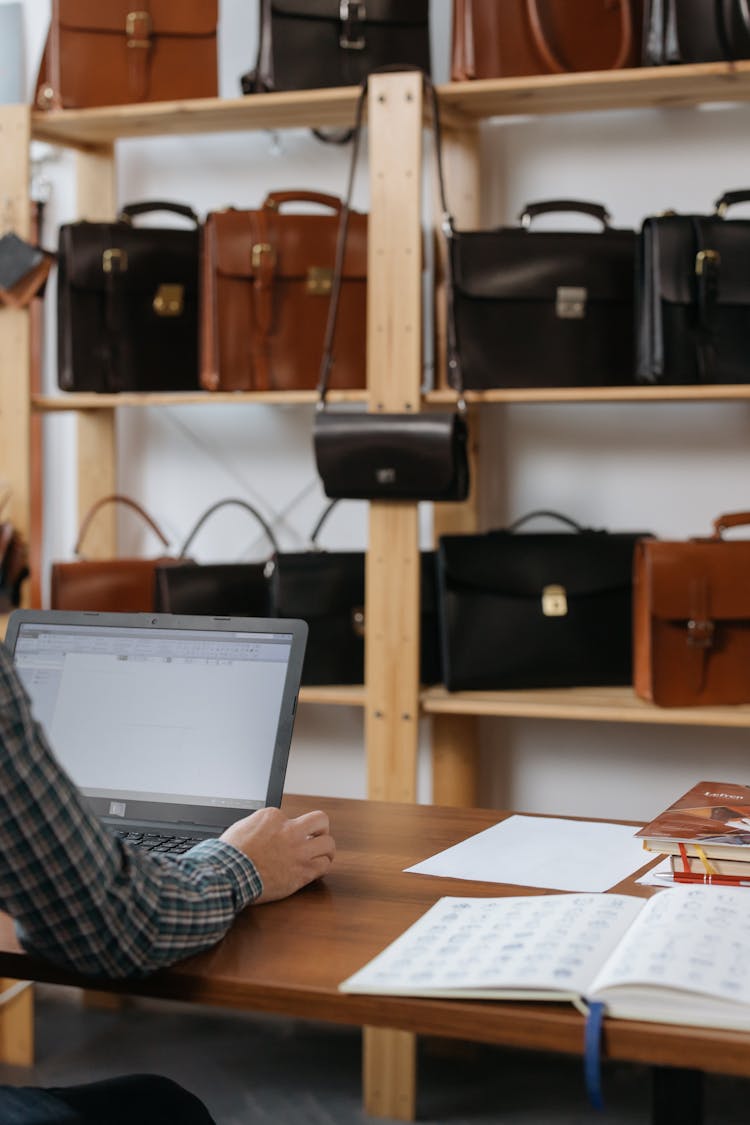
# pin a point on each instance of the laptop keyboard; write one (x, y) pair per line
(153, 842)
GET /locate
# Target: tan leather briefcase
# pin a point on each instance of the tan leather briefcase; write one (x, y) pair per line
(691, 613)
(113, 52)
(266, 284)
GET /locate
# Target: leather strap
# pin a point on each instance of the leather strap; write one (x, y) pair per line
(455, 374)
(131, 210)
(139, 46)
(223, 504)
(116, 498)
(550, 57)
(263, 266)
(730, 519)
(707, 266)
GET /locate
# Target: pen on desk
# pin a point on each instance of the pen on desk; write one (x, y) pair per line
(716, 880)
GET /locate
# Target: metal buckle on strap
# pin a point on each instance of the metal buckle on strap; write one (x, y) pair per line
(138, 28)
(571, 302)
(352, 14)
(700, 632)
(319, 281)
(554, 601)
(114, 260)
(169, 300)
(705, 259)
(259, 251)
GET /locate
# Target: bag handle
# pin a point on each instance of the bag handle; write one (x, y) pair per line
(729, 198)
(742, 8)
(223, 504)
(730, 519)
(455, 374)
(275, 200)
(550, 515)
(550, 57)
(131, 210)
(116, 498)
(596, 210)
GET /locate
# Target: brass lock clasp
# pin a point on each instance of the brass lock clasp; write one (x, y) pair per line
(319, 281)
(114, 260)
(554, 601)
(169, 300)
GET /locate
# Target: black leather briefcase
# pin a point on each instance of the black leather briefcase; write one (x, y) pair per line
(692, 31)
(327, 590)
(536, 609)
(127, 304)
(693, 304)
(545, 308)
(308, 44)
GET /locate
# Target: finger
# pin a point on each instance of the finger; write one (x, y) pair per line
(321, 845)
(313, 823)
(318, 867)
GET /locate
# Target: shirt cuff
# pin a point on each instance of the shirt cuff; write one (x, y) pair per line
(234, 864)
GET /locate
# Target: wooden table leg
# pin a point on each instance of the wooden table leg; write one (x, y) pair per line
(16, 1022)
(677, 1096)
(389, 1073)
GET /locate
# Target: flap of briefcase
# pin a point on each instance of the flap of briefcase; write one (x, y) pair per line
(513, 264)
(95, 254)
(675, 248)
(297, 244)
(505, 564)
(189, 17)
(316, 584)
(696, 579)
(377, 11)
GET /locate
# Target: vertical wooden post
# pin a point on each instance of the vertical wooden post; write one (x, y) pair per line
(394, 367)
(96, 189)
(455, 738)
(16, 1012)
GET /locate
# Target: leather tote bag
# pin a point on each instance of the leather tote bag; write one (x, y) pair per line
(541, 308)
(327, 590)
(110, 53)
(693, 31)
(121, 585)
(267, 278)
(237, 589)
(539, 609)
(127, 304)
(308, 44)
(691, 617)
(499, 38)
(693, 298)
(374, 456)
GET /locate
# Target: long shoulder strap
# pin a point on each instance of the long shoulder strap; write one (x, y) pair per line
(455, 374)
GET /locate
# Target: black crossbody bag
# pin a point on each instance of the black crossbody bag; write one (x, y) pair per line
(374, 456)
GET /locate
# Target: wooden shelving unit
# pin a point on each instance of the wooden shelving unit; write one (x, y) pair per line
(392, 699)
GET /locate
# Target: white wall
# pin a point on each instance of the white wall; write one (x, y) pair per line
(665, 468)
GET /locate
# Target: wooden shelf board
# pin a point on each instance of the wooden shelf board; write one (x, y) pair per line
(79, 400)
(658, 87)
(639, 87)
(92, 128)
(337, 694)
(605, 704)
(641, 393)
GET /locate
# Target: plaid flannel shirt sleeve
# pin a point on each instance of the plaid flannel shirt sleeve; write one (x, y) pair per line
(83, 899)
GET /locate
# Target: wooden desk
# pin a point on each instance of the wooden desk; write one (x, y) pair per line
(289, 957)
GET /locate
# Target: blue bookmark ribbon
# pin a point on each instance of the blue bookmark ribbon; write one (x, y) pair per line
(592, 1054)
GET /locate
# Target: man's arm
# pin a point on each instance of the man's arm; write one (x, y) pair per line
(85, 900)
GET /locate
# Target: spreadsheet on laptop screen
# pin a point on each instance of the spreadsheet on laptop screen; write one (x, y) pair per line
(183, 716)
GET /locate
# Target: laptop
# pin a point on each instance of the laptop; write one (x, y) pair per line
(172, 727)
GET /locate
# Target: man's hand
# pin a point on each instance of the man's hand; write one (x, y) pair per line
(288, 854)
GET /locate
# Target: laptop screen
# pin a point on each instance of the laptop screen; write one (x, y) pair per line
(163, 711)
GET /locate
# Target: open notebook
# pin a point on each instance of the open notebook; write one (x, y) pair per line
(170, 726)
(678, 957)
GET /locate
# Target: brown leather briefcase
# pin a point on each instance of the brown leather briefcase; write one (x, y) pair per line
(691, 613)
(105, 52)
(266, 285)
(496, 40)
(122, 585)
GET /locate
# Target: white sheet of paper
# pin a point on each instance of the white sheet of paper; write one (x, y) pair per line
(528, 851)
(659, 876)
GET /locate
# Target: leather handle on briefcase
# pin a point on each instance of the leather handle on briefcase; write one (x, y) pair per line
(729, 519)
(223, 504)
(550, 57)
(131, 210)
(728, 199)
(595, 210)
(116, 499)
(543, 512)
(275, 200)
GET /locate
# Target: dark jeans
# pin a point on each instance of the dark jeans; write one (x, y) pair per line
(136, 1099)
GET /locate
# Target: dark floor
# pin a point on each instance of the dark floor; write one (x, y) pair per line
(262, 1069)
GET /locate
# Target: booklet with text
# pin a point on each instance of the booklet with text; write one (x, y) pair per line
(678, 957)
